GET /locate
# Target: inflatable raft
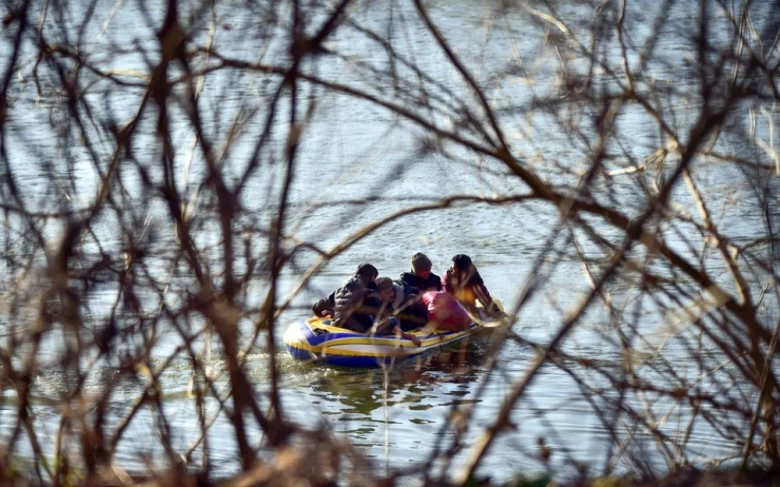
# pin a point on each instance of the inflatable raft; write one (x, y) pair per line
(316, 339)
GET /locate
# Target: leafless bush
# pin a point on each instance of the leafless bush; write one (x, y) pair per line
(151, 156)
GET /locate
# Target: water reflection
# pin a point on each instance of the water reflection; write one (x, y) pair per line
(437, 380)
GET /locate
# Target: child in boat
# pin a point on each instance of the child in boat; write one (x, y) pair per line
(421, 276)
(464, 282)
(403, 301)
(400, 311)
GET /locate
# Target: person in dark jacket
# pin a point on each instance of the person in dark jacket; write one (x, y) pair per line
(463, 281)
(356, 303)
(421, 276)
(365, 274)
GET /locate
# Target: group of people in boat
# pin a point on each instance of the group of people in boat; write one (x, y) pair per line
(368, 303)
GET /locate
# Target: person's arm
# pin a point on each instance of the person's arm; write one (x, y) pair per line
(446, 284)
(483, 296)
(397, 331)
(323, 308)
(411, 293)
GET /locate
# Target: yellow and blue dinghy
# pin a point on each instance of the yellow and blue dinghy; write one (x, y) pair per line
(316, 339)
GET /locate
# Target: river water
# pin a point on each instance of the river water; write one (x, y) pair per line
(358, 163)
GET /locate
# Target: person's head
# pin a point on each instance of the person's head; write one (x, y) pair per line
(462, 263)
(421, 265)
(384, 286)
(366, 272)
